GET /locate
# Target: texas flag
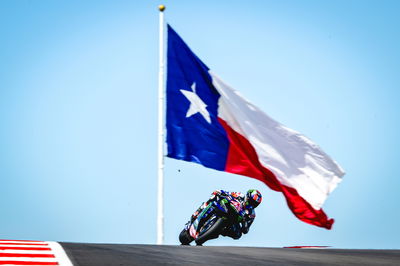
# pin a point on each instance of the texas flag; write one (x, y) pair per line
(211, 124)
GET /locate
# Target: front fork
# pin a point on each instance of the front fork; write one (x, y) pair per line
(197, 219)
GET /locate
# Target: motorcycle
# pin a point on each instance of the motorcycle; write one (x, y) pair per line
(219, 214)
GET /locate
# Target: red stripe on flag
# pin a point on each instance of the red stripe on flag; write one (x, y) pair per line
(27, 244)
(23, 255)
(24, 248)
(242, 159)
(11, 262)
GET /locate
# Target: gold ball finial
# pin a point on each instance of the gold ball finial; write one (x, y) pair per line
(161, 8)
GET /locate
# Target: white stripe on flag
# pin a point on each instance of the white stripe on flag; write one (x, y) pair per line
(295, 160)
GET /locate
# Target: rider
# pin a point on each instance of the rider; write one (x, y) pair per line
(248, 203)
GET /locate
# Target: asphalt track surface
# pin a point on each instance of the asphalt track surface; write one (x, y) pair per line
(120, 254)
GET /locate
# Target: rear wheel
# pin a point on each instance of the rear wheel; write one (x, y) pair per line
(211, 229)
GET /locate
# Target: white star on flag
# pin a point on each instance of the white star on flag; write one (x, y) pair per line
(196, 104)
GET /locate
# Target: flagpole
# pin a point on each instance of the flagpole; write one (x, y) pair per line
(160, 194)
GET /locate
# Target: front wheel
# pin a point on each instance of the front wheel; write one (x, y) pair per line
(185, 238)
(212, 231)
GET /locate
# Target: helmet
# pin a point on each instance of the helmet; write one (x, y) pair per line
(253, 198)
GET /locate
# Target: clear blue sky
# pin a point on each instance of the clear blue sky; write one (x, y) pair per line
(78, 115)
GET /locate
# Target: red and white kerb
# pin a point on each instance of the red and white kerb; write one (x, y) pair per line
(28, 252)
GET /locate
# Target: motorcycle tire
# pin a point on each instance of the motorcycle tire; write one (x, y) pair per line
(185, 238)
(213, 231)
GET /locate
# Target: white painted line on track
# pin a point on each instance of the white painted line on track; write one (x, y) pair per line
(22, 246)
(22, 241)
(26, 251)
(60, 254)
(28, 259)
